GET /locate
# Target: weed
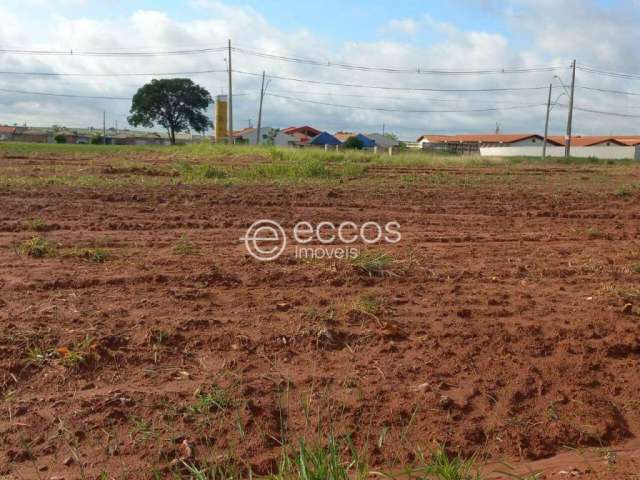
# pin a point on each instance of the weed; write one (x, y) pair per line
(635, 268)
(367, 305)
(441, 467)
(141, 427)
(373, 263)
(77, 354)
(95, 255)
(594, 233)
(38, 247)
(185, 247)
(37, 225)
(625, 191)
(338, 460)
(214, 398)
(36, 355)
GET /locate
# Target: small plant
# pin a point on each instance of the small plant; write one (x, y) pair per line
(441, 467)
(635, 268)
(77, 354)
(625, 191)
(36, 356)
(38, 247)
(594, 233)
(141, 427)
(373, 264)
(367, 305)
(338, 460)
(37, 225)
(214, 398)
(185, 247)
(95, 255)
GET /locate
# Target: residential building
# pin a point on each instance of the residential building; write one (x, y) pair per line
(366, 141)
(303, 134)
(383, 141)
(268, 136)
(323, 139)
(473, 142)
(6, 132)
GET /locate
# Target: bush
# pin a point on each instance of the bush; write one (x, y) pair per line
(353, 143)
(60, 139)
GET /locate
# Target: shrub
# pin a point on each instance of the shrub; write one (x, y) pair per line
(353, 143)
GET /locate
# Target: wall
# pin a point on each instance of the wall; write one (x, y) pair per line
(581, 152)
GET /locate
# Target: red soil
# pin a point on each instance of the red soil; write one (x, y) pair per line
(505, 333)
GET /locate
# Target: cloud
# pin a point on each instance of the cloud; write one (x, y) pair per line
(540, 34)
(404, 25)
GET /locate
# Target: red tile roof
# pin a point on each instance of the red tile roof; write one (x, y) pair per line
(481, 138)
(7, 129)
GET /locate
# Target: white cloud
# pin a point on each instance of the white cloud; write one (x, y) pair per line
(541, 26)
(404, 25)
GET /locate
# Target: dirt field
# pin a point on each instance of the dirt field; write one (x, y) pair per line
(139, 332)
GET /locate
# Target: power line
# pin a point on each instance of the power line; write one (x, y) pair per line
(69, 95)
(358, 107)
(607, 73)
(416, 70)
(606, 90)
(383, 87)
(97, 53)
(149, 74)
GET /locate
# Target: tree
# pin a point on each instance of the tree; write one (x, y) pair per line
(353, 143)
(177, 104)
(60, 138)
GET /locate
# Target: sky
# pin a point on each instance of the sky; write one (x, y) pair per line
(485, 39)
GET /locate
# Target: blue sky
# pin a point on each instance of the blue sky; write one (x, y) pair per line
(453, 35)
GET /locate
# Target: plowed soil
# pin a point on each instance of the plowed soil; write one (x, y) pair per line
(508, 326)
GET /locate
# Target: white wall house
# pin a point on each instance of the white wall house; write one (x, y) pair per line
(268, 136)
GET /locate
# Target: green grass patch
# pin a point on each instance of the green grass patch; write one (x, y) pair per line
(214, 398)
(38, 247)
(185, 247)
(373, 263)
(95, 255)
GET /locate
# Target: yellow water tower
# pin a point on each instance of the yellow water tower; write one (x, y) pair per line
(222, 134)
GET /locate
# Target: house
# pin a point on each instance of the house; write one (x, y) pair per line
(302, 134)
(268, 136)
(599, 140)
(324, 138)
(471, 143)
(7, 133)
(366, 141)
(138, 138)
(383, 141)
(32, 136)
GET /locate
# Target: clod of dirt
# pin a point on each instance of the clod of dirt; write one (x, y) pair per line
(445, 402)
(464, 313)
(185, 451)
(283, 306)
(627, 309)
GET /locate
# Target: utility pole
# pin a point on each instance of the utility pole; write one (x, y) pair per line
(104, 127)
(230, 101)
(546, 124)
(567, 140)
(116, 127)
(258, 136)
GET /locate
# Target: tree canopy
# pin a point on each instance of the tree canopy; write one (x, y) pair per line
(353, 143)
(177, 104)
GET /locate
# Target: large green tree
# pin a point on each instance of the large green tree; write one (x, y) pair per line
(177, 104)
